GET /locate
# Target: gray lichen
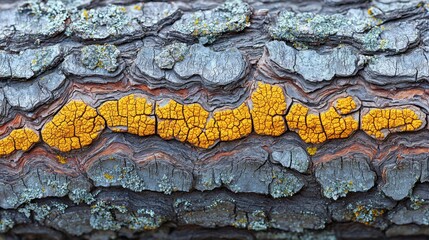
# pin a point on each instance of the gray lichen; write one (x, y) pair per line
(296, 26)
(232, 16)
(371, 33)
(366, 215)
(144, 219)
(116, 172)
(6, 224)
(285, 184)
(102, 216)
(110, 216)
(170, 55)
(165, 185)
(102, 22)
(41, 211)
(81, 195)
(257, 221)
(50, 14)
(100, 56)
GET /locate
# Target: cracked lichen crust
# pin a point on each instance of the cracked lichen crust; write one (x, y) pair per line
(268, 109)
(132, 113)
(380, 122)
(317, 127)
(186, 123)
(18, 140)
(76, 125)
(232, 16)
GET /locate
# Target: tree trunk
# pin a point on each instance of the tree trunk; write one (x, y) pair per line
(214, 120)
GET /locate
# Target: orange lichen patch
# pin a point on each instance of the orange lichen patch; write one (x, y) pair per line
(379, 123)
(188, 123)
(317, 128)
(131, 114)
(76, 125)
(19, 139)
(234, 123)
(345, 105)
(61, 159)
(311, 151)
(308, 126)
(337, 126)
(268, 108)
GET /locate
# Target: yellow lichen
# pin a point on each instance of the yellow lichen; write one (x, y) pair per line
(345, 105)
(379, 122)
(76, 125)
(108, 176)
(188, 123)
(234, 123)
(138, 7)
(268, 108)
(337, 126)
(19, 139)
(131, 114)
(366, 215)
(61, 159)
(85, 14)
(308, 126)
(311, 150)
(317, 128)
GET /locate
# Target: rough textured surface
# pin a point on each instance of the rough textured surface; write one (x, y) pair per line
(214, 119)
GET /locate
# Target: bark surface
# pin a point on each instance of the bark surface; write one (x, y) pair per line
(214, 120)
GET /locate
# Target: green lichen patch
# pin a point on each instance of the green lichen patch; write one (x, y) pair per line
(102, 216)
(6, 223)
(41, 211)
(50, 14)
(285, 185)
(257, 221)
(100, 56)
(101, 23)
(144, 219)
(109, 216)
(232, 16)
(79, 195)
(295, 26)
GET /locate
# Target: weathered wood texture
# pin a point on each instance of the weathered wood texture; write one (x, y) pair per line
(210, 119)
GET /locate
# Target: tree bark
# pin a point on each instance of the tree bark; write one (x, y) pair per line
(214, 120)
